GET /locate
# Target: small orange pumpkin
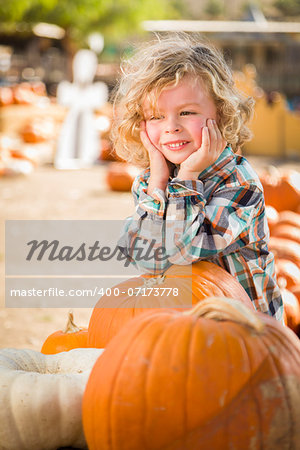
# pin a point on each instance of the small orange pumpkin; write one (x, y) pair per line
(195, 381)
(184, 286)
(120, 176)
(37, 130)
(108, 152)
(63, 341)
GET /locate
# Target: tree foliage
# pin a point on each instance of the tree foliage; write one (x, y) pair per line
(288, 7)
(214, 8)
(112, 18)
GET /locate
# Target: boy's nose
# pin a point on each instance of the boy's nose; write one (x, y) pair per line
(172, 127)
(172, 130)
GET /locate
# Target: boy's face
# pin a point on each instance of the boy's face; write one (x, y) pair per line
(175, 128)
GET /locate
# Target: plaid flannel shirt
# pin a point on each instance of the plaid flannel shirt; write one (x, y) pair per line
(219, 218)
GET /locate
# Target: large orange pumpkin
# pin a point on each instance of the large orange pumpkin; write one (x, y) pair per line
(64, 340)
(184, 286)
(217, 377)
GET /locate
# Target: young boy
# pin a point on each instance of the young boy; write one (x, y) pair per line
(180, 113)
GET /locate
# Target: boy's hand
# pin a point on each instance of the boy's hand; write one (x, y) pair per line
(159, 166)
(211, 148)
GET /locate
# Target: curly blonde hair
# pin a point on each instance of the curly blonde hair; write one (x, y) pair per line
(165, 62)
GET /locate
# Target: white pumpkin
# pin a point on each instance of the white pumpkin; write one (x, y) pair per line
(40, 398)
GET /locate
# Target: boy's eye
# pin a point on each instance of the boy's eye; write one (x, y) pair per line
(155, 117)
(187, 113)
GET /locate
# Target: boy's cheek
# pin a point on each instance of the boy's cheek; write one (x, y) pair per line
(153, 134)
(198, 137)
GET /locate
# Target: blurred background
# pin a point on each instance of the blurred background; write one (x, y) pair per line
(40, 90)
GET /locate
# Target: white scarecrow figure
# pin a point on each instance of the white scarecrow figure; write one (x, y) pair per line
(79, 144)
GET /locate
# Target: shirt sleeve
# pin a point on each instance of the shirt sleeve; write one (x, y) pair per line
(199, 228)
(143, 236)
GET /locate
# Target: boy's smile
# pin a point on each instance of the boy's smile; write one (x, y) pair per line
(175, 128)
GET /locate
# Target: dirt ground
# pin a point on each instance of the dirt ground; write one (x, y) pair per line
(50, 194)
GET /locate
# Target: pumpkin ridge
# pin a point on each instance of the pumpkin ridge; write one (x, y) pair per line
(161, 336)
(282, 379)
(188, 371)
(229, 368)
(95, 313)
(115, 382)
(113, 390)
(283, 384)
(170, 321)
(283, 339)
(208, 272)
(252, 376)
(251, 379)
(17, 429)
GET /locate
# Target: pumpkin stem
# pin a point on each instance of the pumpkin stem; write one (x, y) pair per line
(149, 282)
(71, 327)
(222, 308)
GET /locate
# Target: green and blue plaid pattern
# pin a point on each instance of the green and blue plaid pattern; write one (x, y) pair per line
(219, 218)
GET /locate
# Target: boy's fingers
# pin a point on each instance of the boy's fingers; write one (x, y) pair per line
(213, 135)
(221, 143)
(205, 139)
